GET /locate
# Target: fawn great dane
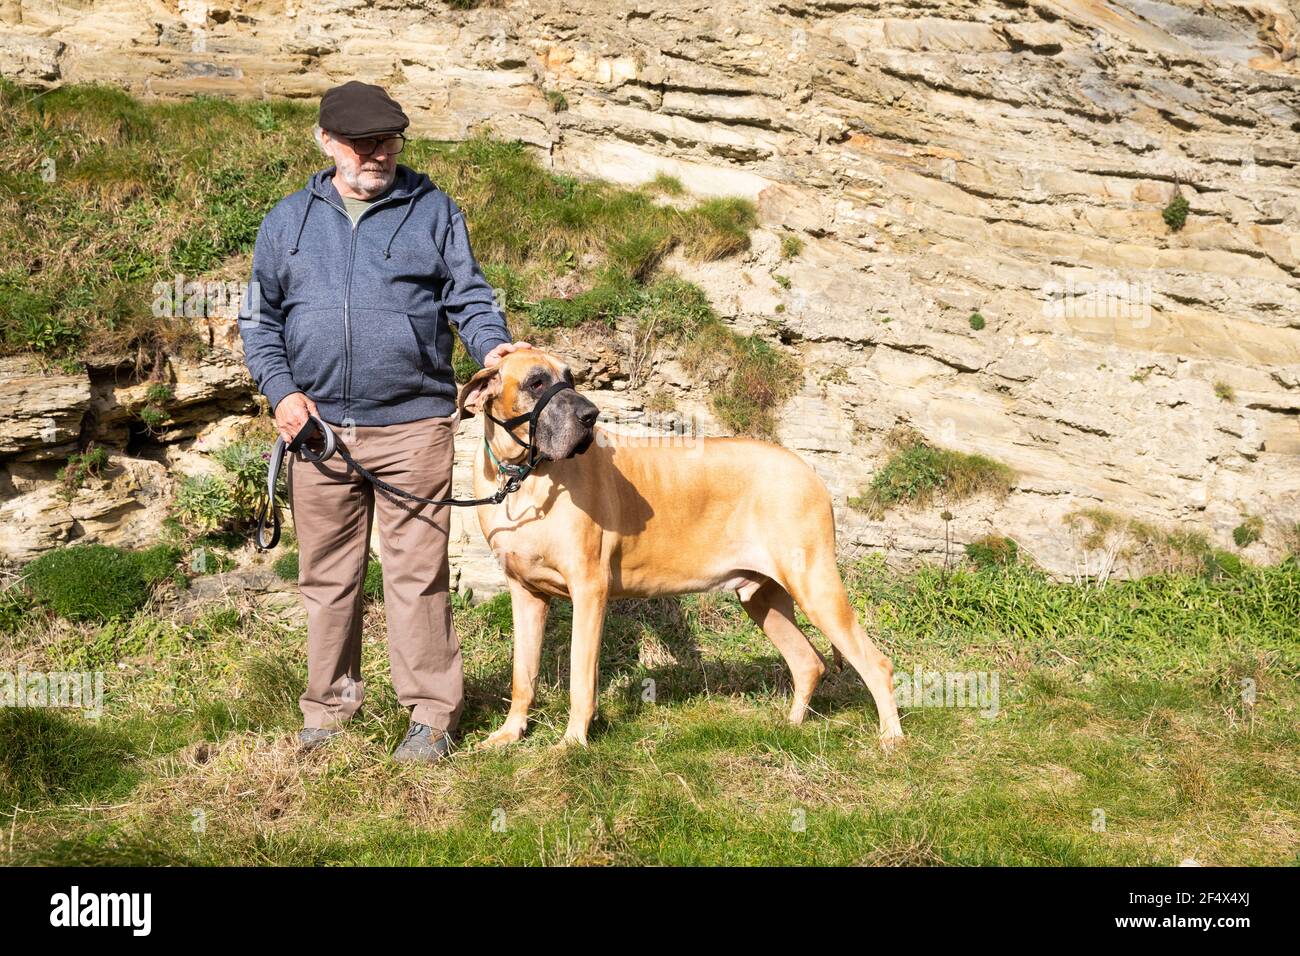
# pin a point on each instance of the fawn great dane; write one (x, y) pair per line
(607, 515)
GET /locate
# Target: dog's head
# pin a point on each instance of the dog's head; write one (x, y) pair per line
(514, 386)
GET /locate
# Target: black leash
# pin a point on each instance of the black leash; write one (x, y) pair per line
(515, 474)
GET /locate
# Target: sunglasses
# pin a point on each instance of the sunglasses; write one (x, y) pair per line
(392, 145)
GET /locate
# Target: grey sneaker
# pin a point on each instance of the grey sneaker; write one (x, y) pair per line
(423, 744)
(309, 738)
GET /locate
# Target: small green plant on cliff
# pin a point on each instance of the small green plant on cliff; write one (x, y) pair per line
(791, 246)
(204, 504)
(153, 417)
(556, 101)
(244, 466)
(917, 472)
(44, 334)
(976, 321)
(87, 464)
(992, 551)
(749, 376)
(666, 184)
(228, 501)
(1175, 214)
(95, 582)
(16, 607)
(1224, 392)
(1248, 532)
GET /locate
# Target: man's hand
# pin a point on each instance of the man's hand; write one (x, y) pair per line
(501, 351)
(292, 413)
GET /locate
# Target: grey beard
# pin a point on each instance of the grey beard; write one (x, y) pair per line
(353, 179)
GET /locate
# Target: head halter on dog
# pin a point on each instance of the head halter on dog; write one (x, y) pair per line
(531, 416)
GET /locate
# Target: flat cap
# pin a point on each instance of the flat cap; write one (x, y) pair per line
(360, 109)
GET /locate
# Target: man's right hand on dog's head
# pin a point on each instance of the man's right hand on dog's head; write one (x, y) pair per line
(292, 414)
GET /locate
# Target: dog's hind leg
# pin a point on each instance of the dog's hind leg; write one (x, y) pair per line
(816, 585)
(770, 607)
(529, 610)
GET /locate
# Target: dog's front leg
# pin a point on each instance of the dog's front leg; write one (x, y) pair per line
(584, 666)
(529, 611)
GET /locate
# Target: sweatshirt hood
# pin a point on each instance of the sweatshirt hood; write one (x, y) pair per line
(407, 184)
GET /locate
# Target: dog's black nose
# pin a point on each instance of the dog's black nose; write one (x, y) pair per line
(589, 415)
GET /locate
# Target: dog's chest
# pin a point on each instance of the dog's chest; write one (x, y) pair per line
(532, 568)
(527, 535)
(526, 560)
(518, 562)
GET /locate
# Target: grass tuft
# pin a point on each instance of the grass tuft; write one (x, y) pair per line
(992, 551)
(95, 582)
(1248, 532)
(918, 472)
(1175, 213)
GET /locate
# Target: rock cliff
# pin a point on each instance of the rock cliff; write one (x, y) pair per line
(938, 159)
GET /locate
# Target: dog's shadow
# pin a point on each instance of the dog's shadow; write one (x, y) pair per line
(613, 503)
(650, 657)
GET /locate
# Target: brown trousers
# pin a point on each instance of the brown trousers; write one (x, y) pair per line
(333, 510)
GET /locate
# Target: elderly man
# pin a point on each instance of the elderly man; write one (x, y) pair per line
(356, 279)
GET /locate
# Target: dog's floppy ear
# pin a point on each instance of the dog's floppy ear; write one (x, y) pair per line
(485, 384)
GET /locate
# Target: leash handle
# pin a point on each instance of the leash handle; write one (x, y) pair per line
(269, 511)
(269, 508)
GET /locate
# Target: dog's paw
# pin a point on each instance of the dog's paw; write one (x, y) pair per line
(500, 738)
(573, 738)
(892, 742)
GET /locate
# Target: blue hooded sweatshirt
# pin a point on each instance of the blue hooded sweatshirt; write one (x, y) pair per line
(358, 317)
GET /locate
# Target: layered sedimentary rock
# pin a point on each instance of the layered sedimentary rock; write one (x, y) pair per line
(937, 159)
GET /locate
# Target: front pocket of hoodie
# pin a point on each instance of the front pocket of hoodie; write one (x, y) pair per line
(314, 342)
(386, 360)
(430, 345)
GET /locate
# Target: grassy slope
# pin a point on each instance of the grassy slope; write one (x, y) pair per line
(103, 195)
(1125, 699)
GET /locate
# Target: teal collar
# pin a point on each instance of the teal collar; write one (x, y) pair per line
(505, 467)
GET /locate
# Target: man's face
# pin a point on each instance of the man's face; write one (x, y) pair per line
(366, 175)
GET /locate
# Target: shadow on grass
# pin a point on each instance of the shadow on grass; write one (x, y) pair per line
(651, 655)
